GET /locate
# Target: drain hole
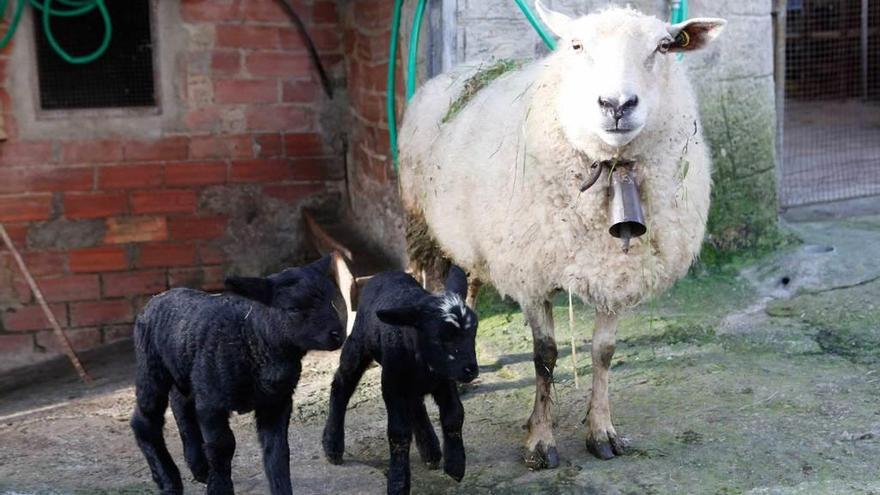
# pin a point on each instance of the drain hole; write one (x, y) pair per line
(785, 281)
(818, 249)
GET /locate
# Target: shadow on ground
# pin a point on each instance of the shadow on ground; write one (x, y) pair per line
(762, 381)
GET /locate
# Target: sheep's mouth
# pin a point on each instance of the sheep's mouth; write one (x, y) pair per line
(618, 130)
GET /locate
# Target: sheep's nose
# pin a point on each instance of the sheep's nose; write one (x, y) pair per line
(618, 107)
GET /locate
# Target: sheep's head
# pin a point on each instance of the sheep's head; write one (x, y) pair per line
(614, 67)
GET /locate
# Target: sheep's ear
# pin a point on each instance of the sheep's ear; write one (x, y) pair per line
(694, 34)
(556, 21)
(402, 316)
(258, 289)
(456, 281)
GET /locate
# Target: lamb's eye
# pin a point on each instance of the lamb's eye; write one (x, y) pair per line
(577, 46)
(664, 45)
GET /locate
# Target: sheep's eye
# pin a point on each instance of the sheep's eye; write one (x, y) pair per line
(664, 45)
(577, 46)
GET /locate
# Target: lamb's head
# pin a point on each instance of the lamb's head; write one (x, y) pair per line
(308, 297)
(614, 68)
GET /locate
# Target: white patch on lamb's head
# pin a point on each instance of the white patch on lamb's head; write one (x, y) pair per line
(614, 66)
(452, 308)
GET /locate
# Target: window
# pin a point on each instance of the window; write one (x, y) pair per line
(122, 77)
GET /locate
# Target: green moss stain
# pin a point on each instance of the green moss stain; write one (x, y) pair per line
(478, 81)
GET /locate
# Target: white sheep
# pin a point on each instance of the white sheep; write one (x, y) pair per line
(496, 186)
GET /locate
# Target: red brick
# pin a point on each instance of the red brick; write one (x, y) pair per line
(279, 117)
(205, 278)
(91, 151)
(267, 11)
(246, 36)
(195, 173)
(226, 62)
(70, 288)
(233, 91)
(299, 91)
(328, 168)
(29, 318)
(45, 263)
(164, 201)
(277, 64)
(294, 193)
(41, 179)
(94, 313)
(259, 171)
(203, 119)
(18, 233)
(209, 10)
(81, 339)
(324, 12)
(164, 255)
(170, 148)
(94, 205)
(25, 208)
(130, 176)
(135, 229)
(99, 259)
(227, 146)
(211, 253)
(189, 228)
(305, 144)
(269, 145)
(372, 14)
(26, 153)
(16, 344)
(215, 276)
(134, 283)
(325, 38)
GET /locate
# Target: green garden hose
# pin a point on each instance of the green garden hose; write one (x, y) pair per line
(413, 58)
(679, 14)
(71, 8)
(530, 16)
(390, 107)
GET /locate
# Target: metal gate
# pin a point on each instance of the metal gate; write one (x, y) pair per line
(831, 137)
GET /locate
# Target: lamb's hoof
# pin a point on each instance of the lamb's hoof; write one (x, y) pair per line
(605, 446)
(200, 475)
(333, 457)
(455, 470)
(542, 458)
(433, 465)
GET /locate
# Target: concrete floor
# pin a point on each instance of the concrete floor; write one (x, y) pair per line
(831, 151)
(760, 379)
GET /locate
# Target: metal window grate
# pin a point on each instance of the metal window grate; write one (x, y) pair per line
(831, 138)
(122, 77)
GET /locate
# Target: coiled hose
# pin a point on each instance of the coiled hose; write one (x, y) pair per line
(68, 8)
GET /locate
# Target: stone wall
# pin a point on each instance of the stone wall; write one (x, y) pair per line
(108, 210)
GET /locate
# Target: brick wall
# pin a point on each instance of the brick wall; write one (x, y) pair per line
(105, 222)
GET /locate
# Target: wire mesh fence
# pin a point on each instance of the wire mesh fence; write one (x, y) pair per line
(831, 145)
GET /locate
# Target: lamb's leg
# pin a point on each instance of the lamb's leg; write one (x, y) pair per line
(540, 445)
(147, 423)
(602, 440)
(219, 448)
(352, 364)
(451, 421)
(272, 426)
(423, 431)
(185, 414)
(399, 438)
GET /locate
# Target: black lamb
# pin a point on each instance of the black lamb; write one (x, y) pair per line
(237, 351)
(425, 344)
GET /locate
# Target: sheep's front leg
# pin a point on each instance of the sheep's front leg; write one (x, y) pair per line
(272, 426)
(602, 440)
(540, 445)
(399, 439)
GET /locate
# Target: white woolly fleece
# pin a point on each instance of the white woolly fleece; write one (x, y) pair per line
(499, 187)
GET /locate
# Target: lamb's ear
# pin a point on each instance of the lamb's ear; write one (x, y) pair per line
(694, 34)
(258, 289)
(323, 265)
(456, 281)
(556, 21)
(402, 316)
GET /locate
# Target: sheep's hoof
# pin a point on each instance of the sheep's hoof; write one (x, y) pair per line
(455, 469)
(606, 446)
(433, 465)
(334, 457)
(542, 458)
